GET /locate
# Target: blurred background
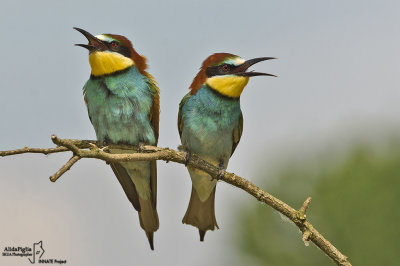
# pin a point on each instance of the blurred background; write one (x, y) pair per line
(327, 127)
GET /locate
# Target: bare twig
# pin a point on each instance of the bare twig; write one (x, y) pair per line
(33, 150)
(94, 149)
(303, 209)
(64, 168)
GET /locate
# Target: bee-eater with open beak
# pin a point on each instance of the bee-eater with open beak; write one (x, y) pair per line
(123, 105)
(210, 124)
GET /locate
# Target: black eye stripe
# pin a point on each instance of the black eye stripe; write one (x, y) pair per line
(220, 70)
(119, 48)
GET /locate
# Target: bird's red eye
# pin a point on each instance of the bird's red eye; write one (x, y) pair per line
(114, 44)
(225, 67)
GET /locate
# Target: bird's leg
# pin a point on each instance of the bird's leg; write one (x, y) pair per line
(221, 170)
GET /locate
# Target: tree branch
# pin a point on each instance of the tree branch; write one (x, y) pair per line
(94, 149)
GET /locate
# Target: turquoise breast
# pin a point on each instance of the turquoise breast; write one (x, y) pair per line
(119, 107)
(208, 123)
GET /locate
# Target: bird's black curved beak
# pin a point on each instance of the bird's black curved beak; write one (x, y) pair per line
(94, 43)
(243, 67)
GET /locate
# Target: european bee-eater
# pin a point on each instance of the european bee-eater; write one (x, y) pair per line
(123, 105)
(210, 124)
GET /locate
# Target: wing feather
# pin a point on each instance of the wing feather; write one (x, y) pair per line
(155, 120)
(180, 120)
(237, 133)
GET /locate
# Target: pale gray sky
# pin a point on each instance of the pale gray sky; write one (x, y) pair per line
(338, 73)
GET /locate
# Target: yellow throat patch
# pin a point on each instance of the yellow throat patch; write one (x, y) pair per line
(103, 63)
(231, 85)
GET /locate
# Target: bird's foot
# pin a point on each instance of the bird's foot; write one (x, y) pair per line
(103, 147)
(184, 149)
(221, 170)
(140, 147)
(187, 157)
(105, 143)
(221, 173)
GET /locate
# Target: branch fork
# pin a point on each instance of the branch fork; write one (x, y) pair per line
(301, 215)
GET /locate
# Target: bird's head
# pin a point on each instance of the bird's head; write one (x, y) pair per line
(110, 53)
(226, 73)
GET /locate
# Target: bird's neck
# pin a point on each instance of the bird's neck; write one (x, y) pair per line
(105, 63)
(230, 86)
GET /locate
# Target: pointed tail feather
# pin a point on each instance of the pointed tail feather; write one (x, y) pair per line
(202, 234)
(147, 211)
(201, 214)
(150, 238)
(148, 218)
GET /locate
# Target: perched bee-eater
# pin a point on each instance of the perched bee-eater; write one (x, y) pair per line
(123, 105)
(210, 124)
